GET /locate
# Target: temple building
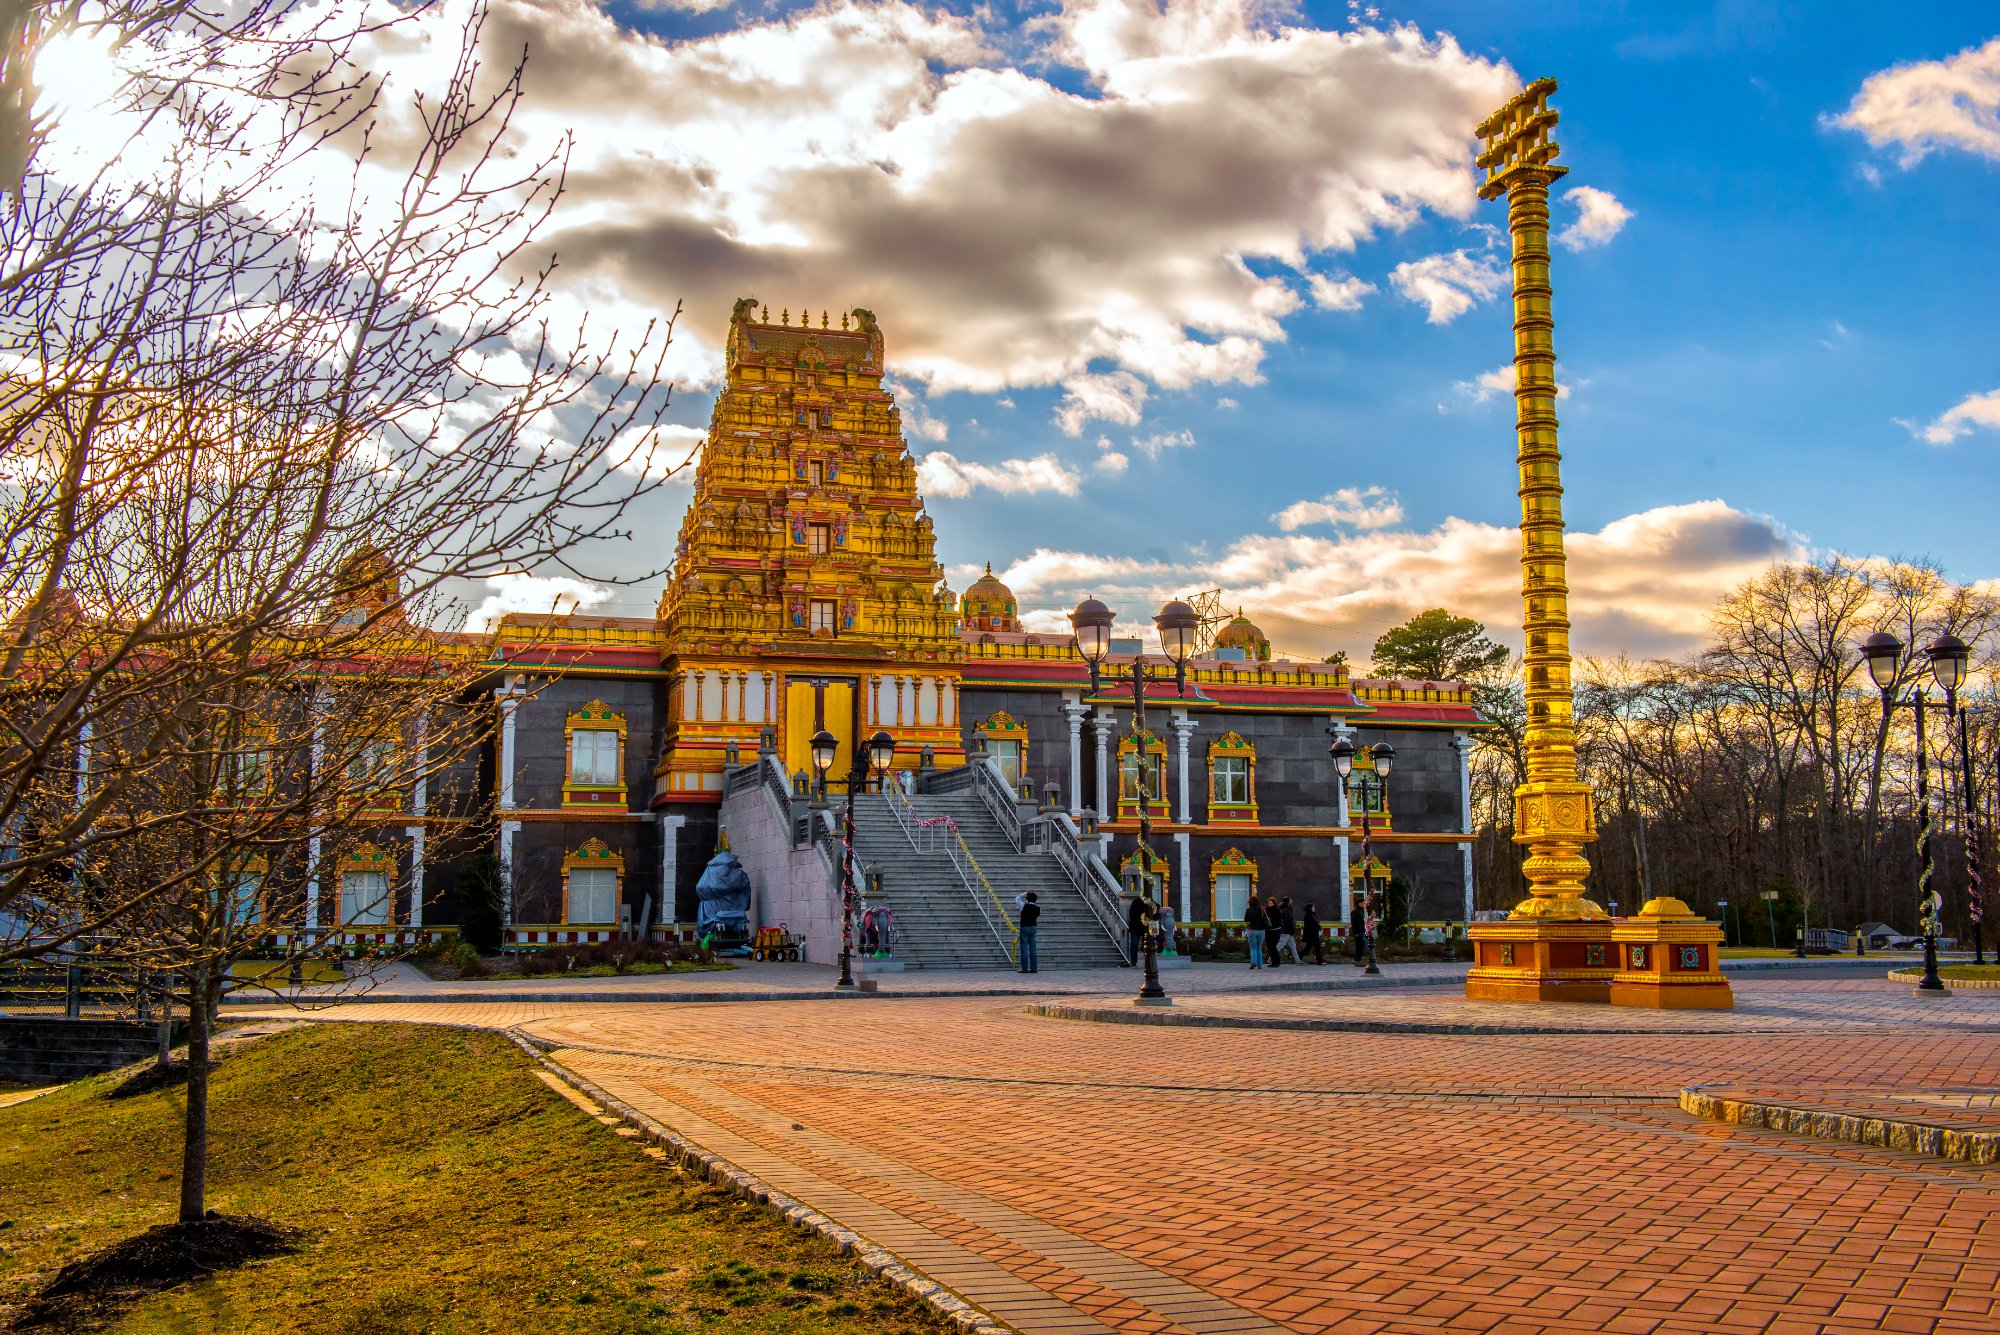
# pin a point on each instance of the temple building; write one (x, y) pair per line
(806, 594)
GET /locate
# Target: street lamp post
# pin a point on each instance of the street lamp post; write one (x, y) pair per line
(871, 758)
(1177, 624)
(1883, 653)
(1343, 766)
(1950, 657)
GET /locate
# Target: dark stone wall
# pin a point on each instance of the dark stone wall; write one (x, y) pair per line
(1048, 732)
(541, 750)
(541, 846)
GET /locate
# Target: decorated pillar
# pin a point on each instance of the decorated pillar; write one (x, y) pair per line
(1342, 730)
(1182, 726)
(1103, 722)
(1556, 944)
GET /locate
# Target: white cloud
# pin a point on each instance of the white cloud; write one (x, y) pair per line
(1932, 104)
(1178, 166)
(1118, 397)
(1488, 385)
(1351, 507)
(1973, 412)
(943, 474)
(516, 592)
(655, 452)
(1152, 446)
(1337, 294)
(1449, 284)
(1601, 217)
(1642, 584)
(1111, 461)
(1225, 404)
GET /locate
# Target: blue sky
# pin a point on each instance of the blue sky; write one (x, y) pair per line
(1752, 358)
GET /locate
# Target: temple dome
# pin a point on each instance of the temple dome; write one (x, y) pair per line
(1242, 633)
(989, 605)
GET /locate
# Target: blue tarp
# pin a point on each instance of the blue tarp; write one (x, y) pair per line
(723, 893)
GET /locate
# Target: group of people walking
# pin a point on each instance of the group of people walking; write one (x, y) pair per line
(1272, 929)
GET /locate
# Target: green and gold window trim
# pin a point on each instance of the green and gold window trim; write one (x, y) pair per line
(594, 758)
(1142, 776)
(1227, 898)
(1006, 740)
(593, 885)
(1156, 873)
(1232, 780)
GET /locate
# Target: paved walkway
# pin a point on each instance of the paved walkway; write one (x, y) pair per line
(1082, 1177)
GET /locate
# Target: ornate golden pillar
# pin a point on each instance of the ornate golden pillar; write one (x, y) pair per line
(1556, 943)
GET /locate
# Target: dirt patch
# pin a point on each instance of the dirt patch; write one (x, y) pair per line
(164, 1257)
(150, 1077)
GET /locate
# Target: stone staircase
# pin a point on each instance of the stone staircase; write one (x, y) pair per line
(941, 926)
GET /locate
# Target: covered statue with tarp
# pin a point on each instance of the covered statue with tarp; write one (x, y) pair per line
(722, 897)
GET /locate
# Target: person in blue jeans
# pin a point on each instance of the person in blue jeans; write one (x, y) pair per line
(1031, 917)
(1255, 923)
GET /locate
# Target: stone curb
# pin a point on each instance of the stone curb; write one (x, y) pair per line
(1195, 1020)
(1942, 1142)
(878, 1261)
(1950, 984)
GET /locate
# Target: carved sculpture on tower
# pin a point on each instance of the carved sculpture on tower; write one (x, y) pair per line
(805, 564)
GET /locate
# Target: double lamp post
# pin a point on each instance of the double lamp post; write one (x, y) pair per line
(1177, 625)
(1384, 756)
(1949, 658)
(872, 757)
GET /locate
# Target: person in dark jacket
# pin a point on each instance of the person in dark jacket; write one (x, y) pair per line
(1309, 925)
(1254, 926)
(1135, 929)
(1287, 925)
(1357, 928)
(1031, 918)
(1273, 929)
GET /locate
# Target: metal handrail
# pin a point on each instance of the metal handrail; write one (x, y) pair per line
(1008, 949)
(998, 797)
(923, 838)
(1087, 872)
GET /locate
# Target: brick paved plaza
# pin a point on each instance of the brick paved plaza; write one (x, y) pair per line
(1067, 1175)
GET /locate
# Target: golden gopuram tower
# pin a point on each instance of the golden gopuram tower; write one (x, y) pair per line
(1557, 945)
(806, 591)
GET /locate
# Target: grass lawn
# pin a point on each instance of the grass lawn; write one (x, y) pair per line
(1981, 971)
(442, 1187)
(1757, 953)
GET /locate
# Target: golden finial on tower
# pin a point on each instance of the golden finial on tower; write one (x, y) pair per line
(785, 315)
(765, 316)
(843, 319)
(822, 320)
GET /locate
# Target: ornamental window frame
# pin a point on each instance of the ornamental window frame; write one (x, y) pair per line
(1366, 792)
(819, 538)
(594, 857)
(1231, 862)
(1139, 756)
(1232, 747)
(1378, 871)
(366, 859)
(593, 717)
(831, 624)
(1001, 729)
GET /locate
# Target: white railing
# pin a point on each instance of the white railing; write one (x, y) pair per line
(1087, 872)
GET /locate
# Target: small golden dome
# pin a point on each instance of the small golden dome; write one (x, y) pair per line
(989, 605)
(1242, 633)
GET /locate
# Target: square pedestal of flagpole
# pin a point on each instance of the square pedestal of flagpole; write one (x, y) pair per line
(1541, 959)
(1667, 960)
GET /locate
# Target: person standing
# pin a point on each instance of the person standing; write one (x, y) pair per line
(1314, 933)
(1254, 924)
(1357, 929)
(1135, 929)
(1031, 918)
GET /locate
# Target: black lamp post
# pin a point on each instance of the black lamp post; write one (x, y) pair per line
(1343, 766)
(1177, 624)
(873, 757)
(1883, 653)
(1950, 658)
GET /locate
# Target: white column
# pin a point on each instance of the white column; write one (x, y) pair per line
(1104, 720)
(1187, 877)
(670, 864)
(318, 762)
(1182, 726)
(1074, 710)
(419, 806)
(690, 695)
(510, 700)
(948, 703)
(1465, 746)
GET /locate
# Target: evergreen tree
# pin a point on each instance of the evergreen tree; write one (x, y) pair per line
(1437, 646)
